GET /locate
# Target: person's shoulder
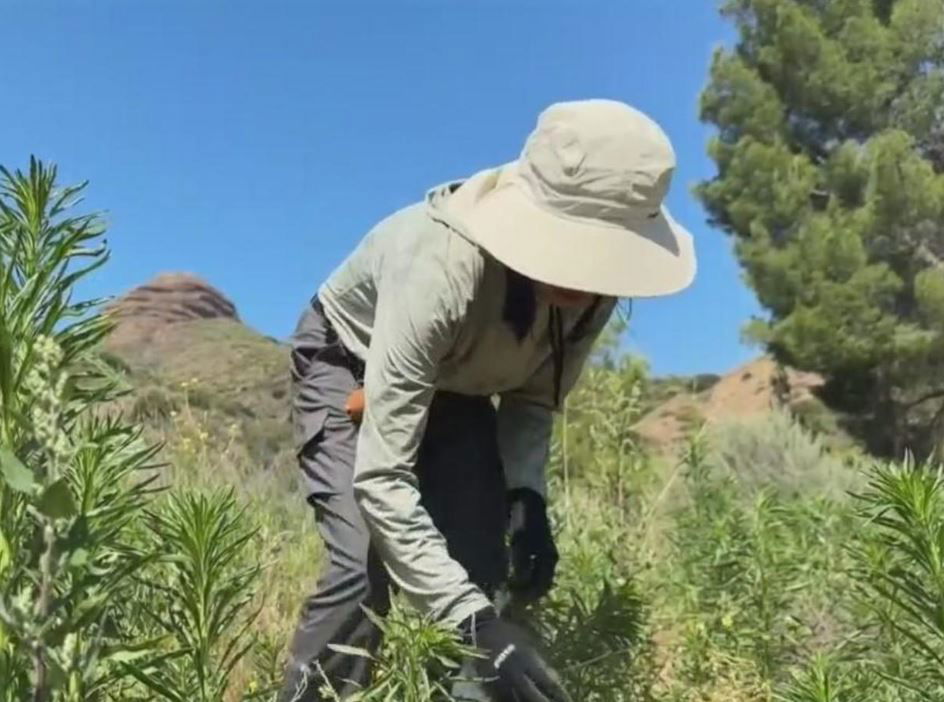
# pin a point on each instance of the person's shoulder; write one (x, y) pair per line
(402, 221)
(427, 245)
(462, 262)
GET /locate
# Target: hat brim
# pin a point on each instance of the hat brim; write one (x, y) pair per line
(648, 258)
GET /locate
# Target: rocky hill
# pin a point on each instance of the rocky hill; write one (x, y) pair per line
(748, 391)
(145, 313)
(181, 345)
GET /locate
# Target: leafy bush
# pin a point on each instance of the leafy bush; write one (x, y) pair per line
(197, 597)
(758, 580)
(419, 661)
(894, 652)
(595, 622)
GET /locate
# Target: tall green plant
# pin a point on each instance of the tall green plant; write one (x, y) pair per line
(419, 661)
(902, 572)
(199, 596)
(41, 254)
(824, 681)
(895, 653)
(76, 481)
(737, 572)
(61, 529)
(596, 639)
(595, 445)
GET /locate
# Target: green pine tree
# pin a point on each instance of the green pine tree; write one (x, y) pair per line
(830, 154)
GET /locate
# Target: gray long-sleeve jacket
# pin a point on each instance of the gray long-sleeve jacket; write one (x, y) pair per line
(422, 305)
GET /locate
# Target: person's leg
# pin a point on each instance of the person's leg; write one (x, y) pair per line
(461, 481)
(352, 574)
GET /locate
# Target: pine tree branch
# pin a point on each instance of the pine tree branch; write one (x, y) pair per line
(925, 254)
(934, 394)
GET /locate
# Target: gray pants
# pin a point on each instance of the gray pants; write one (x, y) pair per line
(461, 484)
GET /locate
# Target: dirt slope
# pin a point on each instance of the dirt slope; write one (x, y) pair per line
(752, 389)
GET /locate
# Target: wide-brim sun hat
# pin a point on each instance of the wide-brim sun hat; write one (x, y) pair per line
(583, 207)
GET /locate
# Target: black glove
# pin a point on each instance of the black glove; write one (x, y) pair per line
(514, 670)
(533, 554)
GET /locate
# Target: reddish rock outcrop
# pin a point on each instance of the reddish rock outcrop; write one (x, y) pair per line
(168, 299)
(753, 389)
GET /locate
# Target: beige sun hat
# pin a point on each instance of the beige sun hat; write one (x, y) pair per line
(582, 207)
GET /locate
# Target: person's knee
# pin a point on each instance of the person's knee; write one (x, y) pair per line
(355, 578)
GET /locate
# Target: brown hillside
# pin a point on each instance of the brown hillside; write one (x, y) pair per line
(754, 388)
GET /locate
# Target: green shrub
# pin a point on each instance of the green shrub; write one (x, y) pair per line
(153, 403)
(773, 452)
(825, 681)
(419, 661)
(757, 578)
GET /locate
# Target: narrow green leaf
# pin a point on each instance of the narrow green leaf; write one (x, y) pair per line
(125, 656)
(57, 501)
(15, 474)
(79, 558)
(131, 652)
(6, 363)
(350, 650)
(445, 661)
(152, 683)
(6, 554)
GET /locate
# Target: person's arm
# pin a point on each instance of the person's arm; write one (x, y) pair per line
(525, 415)
(524, 439)
(525, 421)
(416, 321)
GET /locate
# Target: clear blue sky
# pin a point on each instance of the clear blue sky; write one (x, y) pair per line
(255, 143)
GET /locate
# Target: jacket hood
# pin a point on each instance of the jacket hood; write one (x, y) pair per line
(451, 202)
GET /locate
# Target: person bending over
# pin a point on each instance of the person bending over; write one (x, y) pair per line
(489, 292)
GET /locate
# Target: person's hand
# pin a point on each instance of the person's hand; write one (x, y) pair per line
(533, 553)
(512, 668)
(354, 406)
